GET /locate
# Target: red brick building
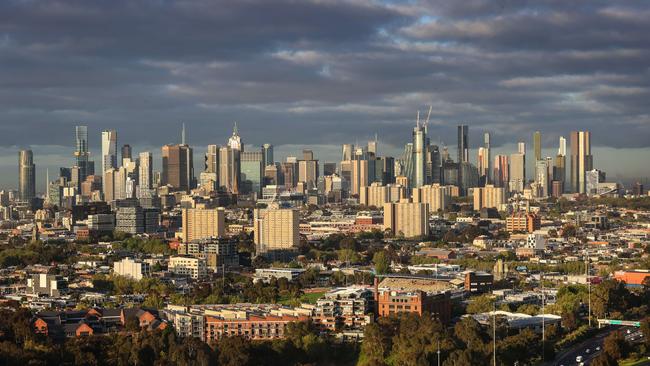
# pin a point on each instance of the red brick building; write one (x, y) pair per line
(392, 302)
(251, 326)
(523, 222)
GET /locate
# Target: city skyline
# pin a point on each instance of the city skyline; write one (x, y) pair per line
(332, 153)
(287, 79)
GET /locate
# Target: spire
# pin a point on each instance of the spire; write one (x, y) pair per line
(235, 132)
(183, 135)
(47, 184)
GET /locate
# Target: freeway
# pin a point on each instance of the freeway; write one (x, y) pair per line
(594, 345)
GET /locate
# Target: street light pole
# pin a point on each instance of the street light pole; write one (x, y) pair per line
(543, 317)
(438, 352)
(494, 335)
(588, 285)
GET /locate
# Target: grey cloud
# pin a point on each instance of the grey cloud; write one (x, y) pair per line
(323, 72)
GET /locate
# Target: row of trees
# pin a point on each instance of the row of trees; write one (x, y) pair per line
(419, 340)
(302, 346)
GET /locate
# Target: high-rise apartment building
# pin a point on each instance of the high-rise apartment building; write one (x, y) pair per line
(203, 223)
(581, 160)
(489, 197)
(377, 194)
(436, 196)
(275, 230)
(407, 219)
(130, 268)
(178, 167)
(26, 176)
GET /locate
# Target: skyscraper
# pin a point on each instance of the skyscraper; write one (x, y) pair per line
(109, 154)
(418, 178)
(145, 175)
(559, 169)
(234, 142)
(229, 169)
(542, 178)
(26, 176)
(581, 160)
(347, 152)
(434, 165)
(81, 151)
(537, 144)
(517, 172)
(308, 171)
(212, 159)
(488, 158)
(267, 150)
(177, 167)
(127, 152)
(252, 171)
(463, 147)
(501, 170)
(484, 161)
(521, 148)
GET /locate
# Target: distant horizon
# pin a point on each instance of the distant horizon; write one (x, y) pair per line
(604, 157)
(323, 73)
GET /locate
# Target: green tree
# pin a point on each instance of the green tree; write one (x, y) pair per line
(348, 256)
(603, 359)
(481, 304)
(234, 351)
(615, 346)
(375, 346)
(645, 330)
(381, 262)
(416, 340)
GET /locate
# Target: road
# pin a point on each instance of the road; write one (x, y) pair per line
(568, 357)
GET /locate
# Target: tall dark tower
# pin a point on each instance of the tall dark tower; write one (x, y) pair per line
(26, 176)
(463, 147)
(81, 151)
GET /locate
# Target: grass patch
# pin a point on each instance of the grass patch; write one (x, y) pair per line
(312, 297)
(639, 362)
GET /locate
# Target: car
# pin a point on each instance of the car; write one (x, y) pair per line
(579, 359)
(629, 331)
(587, 351)
(598, 348)
(581, 364)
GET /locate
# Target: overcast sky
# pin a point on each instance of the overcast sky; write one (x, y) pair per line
(320, 73)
